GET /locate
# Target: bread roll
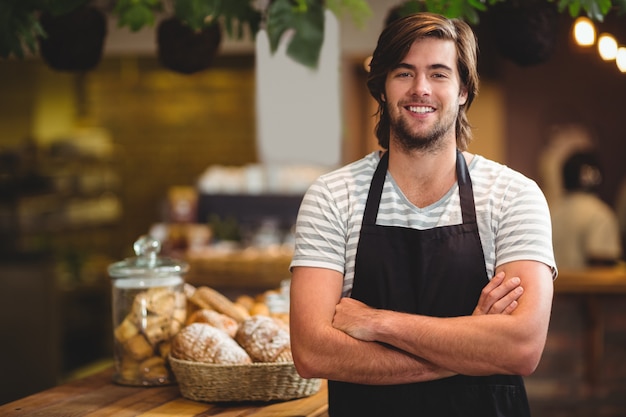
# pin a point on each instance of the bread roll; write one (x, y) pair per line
(260, 309)
(215, 319)
(264, 339)
(245, 300)
(201, 342)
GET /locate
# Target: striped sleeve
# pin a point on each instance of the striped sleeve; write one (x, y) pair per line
(525, 230)
(330, 217)
(320, 234)
(521, 221)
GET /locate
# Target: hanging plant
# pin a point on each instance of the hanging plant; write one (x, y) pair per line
(188, 41)
(182, 49)
(525, 31)
(20, 27)
(73, 41)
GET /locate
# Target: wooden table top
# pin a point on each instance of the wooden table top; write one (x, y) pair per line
(600, 280)
(97, 396)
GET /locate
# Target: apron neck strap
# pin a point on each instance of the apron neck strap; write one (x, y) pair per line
(376, 190)
(466, 193)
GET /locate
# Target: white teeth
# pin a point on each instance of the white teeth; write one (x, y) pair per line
(421, 109)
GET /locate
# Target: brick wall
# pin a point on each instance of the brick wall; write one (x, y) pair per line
(171, 127)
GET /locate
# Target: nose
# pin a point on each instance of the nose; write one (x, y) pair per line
(421, 85)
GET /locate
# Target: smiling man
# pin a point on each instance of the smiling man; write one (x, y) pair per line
(422, 274)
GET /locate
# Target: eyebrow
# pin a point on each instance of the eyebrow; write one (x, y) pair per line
(412, 67)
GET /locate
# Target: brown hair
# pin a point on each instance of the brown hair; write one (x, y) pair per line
(393, 45)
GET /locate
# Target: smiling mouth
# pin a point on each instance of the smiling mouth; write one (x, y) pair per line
(420, 109)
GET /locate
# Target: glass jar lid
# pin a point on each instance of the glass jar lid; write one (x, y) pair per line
(147, 263)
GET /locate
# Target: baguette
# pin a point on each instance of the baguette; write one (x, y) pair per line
(208, 298)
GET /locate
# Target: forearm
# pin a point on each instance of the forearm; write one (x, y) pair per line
(470, 345)
(337, 356)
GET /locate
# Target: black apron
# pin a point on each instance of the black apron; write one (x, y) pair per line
(436, 272)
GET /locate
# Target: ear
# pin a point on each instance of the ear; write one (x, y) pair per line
(463, 96)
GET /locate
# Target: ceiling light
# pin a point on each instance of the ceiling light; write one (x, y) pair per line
(584, 31)
(607, 47)
(620, 60)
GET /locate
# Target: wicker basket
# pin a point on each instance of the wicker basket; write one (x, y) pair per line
(253, 382)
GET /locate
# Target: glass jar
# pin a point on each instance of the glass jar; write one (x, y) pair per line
(149, 308)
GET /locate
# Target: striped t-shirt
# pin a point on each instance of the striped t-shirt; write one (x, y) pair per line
(511, 211)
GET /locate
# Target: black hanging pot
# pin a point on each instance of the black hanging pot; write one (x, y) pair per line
(524, 31)
(74, 41)
(182, 49)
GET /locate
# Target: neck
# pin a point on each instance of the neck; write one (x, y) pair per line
(423, 176)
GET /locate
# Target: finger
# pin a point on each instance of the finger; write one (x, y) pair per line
(485, 302)
(501, 291)
(503, 305)
(494, 283)
(488, 296)
(511, 307)
(495, 292)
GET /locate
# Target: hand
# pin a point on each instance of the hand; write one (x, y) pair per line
(349, 313)
(499, 296)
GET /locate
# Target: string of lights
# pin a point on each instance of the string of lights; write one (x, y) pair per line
(585, 35)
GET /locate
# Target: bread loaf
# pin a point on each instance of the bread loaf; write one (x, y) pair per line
(264, 339)
(201, 342)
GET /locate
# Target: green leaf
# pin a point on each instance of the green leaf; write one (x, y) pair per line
(359, 10)
(136, 13)
(471, 16)
(137, 17)
(478, 5)
(594, 9)
(452, 10)
(308, 30)
(237, 14)
(197, 13)
(574, 9)
(234, 14)
(19, 28)
(410, 7)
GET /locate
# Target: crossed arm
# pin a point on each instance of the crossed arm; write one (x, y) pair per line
(343, 339)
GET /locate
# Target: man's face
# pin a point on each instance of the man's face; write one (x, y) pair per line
(423, 95)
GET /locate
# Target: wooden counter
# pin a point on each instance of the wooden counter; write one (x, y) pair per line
(609, 280)
(591, 285)
(97, 396)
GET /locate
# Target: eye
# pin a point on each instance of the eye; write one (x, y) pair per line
(402, 74)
